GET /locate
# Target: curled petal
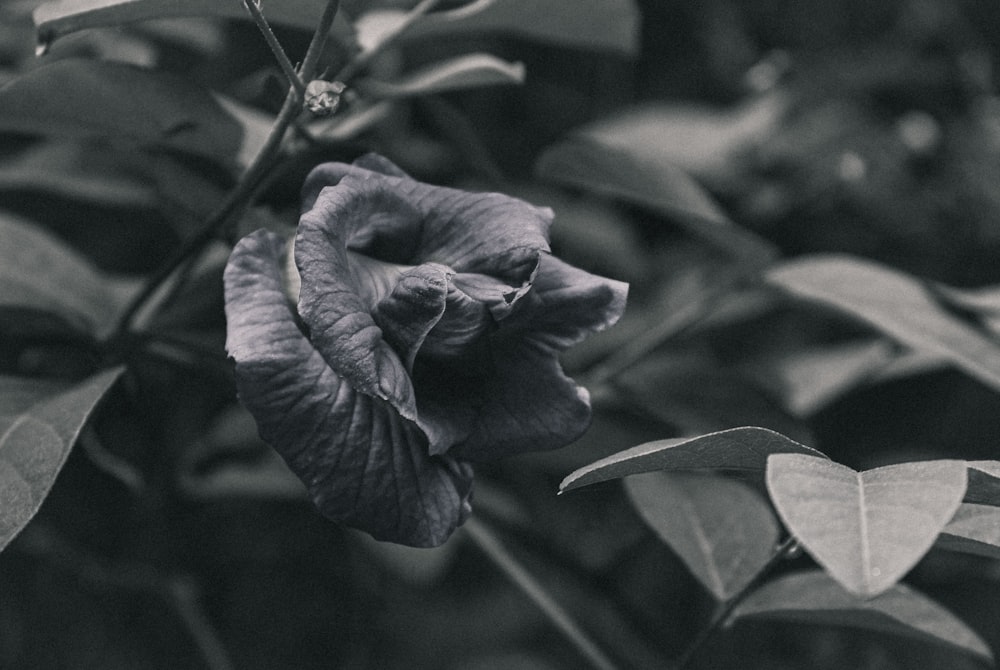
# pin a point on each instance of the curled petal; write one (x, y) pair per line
(519, 399)
(364, 464)
(486, 233)
(414, 307)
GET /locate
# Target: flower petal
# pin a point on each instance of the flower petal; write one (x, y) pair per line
(364, 464)
(414, 307)
(486, 233)
(512, 395)
(333, 301)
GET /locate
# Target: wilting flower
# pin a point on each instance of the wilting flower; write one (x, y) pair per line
(426, 336)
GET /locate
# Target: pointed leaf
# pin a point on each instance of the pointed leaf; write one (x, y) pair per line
(600, 167)
(975, 529)
(601, 25)
(812, 597)
(40, 272)
(89, 98)
(744, 448)
(867, 529)
(468, 71)
(897, 304)
(39, 423)
(722, 529)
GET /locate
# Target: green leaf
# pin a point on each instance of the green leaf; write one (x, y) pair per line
(812, 597)
(39, 423)
(55, 19)
(867, 529)
(40, 272)
(984, 483)
(722, 529)
(975, 529)
(598, 25)
(745, 448)
(598, 166)
(466, 71)
(895, 303)
(88, 98)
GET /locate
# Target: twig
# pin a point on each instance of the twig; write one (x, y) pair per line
(505, 561)
(727, 608)
(253, 6)
(241, 195)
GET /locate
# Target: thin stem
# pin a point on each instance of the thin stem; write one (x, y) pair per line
(242, 194)
(490, 545)
(727, 608)
(284, 63)
(361, 62)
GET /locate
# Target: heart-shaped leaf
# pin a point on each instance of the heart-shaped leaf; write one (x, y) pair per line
(39, 423)
(897, 304)
(867, 529)
(975, 529)
(813, 597)
(745, 448)
(722, 529)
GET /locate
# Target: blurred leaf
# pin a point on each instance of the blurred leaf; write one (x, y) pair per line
(55, 19)
(867, 529)
(357, 120)
(984, 483)
(975, 529)
(897, 304)
(77, 171)
(86, 98)
(256, 126)
(812, 597)
(744, 448)
(598, 166)
(814, 378)
(601, 25)
(39, 271)
(466, 71)
(723, 530)
(699, 394)
(39, 424)
(984, 301)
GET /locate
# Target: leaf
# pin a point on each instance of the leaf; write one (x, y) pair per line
(895, 303)
(985, 301)
(39, 424)
(55, 19)
(812, 597)
(88, 98)
(599, 167)
(722, 529)
(984, 483)
(866, 529)
(745, 448)
(40, 272)
(975, 529)
(466, 71)
(596, 25)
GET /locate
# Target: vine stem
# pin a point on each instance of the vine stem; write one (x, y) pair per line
(253, 6)
(727, 608)
(490, 545)
(243, 192)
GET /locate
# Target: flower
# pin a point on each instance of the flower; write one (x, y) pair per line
(425, 338)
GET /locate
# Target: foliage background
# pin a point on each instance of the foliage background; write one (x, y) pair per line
(172, 538)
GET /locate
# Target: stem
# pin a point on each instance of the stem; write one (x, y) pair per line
(242, 193)
(727, 608)
(361, 62)
(286, 66)
(490, 545)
